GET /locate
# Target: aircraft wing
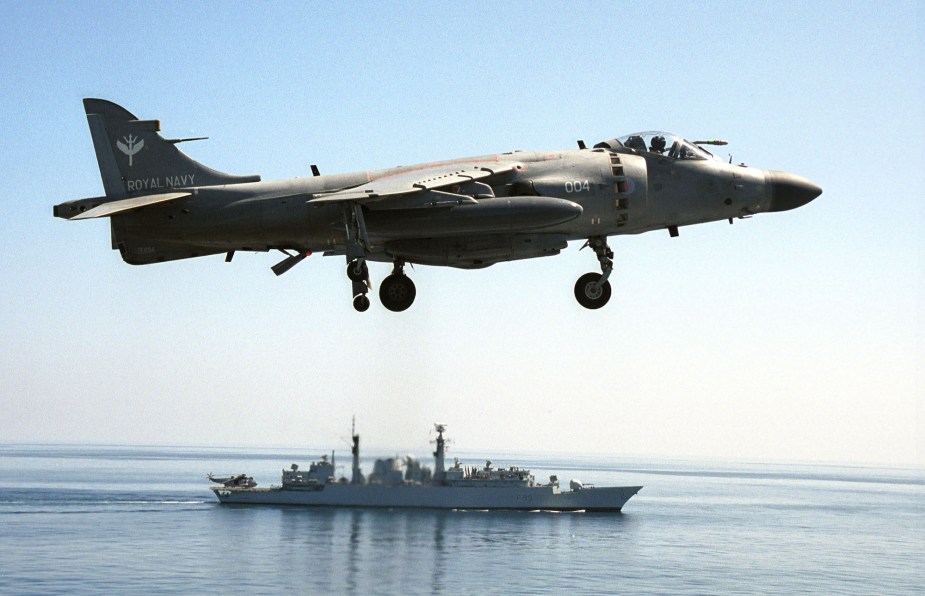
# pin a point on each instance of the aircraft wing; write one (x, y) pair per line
(429, 187)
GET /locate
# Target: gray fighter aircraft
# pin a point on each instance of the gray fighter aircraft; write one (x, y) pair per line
(469, 213)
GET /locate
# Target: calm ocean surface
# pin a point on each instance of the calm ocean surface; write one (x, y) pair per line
(121, 520)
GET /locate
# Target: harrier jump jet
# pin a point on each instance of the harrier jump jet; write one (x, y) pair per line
(469, 213)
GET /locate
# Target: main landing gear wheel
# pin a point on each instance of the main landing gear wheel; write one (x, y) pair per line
(361, 303)
(590, 293)
(397, 292)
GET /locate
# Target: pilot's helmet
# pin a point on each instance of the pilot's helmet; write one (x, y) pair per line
(636, 142)
(658, 144)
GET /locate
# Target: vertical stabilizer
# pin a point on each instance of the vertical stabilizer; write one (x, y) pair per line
(135, 159)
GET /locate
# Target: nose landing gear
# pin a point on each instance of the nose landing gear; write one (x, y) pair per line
(592, 290)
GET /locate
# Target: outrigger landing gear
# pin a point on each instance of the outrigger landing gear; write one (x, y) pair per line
(357, 270)
(361, 303)
(593, 290)
(357, 247)
(397, 291)
(358, 273)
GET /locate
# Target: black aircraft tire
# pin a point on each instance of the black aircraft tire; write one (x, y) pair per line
(397, 292)
(588, 295)
(361, 303)
(355, 273)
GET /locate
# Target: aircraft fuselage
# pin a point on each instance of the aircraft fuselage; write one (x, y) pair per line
(653, 193)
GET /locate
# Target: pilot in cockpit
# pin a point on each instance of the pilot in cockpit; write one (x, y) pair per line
(657, 145)
(635, 142)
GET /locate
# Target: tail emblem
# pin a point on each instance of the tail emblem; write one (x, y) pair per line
(130, 147)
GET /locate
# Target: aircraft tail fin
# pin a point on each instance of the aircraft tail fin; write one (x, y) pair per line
(135, 159)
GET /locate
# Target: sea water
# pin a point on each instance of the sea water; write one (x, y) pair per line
(132, 520)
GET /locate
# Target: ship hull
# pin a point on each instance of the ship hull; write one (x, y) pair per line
(525, 498)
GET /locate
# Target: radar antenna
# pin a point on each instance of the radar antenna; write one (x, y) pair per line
(439, 454)
(357, 474)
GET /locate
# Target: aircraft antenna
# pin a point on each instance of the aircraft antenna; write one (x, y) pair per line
(175, 141)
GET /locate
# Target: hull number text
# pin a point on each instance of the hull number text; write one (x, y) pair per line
(577, 186)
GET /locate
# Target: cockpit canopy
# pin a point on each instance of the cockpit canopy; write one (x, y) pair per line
(662, 143)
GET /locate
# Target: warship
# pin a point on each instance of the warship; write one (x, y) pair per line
(405, 483)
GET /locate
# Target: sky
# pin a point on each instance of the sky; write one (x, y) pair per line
(793, 336)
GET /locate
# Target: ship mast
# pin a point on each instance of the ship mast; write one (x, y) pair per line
(357, 474)
(439, 454)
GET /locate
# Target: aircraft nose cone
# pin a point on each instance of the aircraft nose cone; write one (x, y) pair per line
(789, 191)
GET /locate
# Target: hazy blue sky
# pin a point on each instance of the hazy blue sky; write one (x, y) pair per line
(795, 335)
